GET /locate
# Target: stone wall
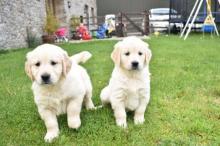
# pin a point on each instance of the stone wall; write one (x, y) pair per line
(65, 9)
(78, 6)
(15, 17)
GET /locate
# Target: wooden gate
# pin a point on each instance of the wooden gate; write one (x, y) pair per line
(135, 23)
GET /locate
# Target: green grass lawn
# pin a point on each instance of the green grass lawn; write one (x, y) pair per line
(184, 107)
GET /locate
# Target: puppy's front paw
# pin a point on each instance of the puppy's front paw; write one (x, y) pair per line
(121, 123)
(138, 119)
(74, 122)
(51, 135)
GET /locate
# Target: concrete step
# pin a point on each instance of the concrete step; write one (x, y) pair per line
(134, 34)
(132, 30)
(132, 27)
(137, 19)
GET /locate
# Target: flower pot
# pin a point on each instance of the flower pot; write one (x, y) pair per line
(48, 39)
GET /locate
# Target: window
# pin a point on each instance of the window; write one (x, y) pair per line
(86, 8)
(93, 15)
(81, 19)
(86, 12)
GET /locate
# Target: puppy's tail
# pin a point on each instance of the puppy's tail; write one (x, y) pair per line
(81, 57)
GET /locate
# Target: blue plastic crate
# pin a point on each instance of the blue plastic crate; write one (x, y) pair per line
(208, 28)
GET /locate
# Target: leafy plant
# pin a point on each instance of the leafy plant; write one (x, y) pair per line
(51, 24)
(74, 22)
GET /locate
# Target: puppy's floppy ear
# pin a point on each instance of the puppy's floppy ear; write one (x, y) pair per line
(66, 63)
(148, 54)
(28, 68)
(116, 53)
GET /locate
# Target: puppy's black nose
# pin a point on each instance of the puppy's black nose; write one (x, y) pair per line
(134, 64)
(45, 78)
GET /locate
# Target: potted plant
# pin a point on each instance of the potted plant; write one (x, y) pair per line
(51, 25)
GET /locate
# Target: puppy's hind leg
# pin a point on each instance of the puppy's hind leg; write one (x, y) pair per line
(105, 94)
(88, 96)
(88, 100)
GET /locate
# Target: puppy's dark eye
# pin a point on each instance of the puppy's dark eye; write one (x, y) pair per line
(37, 64)
(127, 53)
(140, 53)
(53, 63)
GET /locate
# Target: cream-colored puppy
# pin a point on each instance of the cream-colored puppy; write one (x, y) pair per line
(129, 86)
(60, 86)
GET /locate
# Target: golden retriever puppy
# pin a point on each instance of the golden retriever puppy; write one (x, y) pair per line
(59, 86)
(129, 86)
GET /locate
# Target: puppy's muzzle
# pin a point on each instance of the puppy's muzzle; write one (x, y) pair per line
(45, 78)
(134, 65)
